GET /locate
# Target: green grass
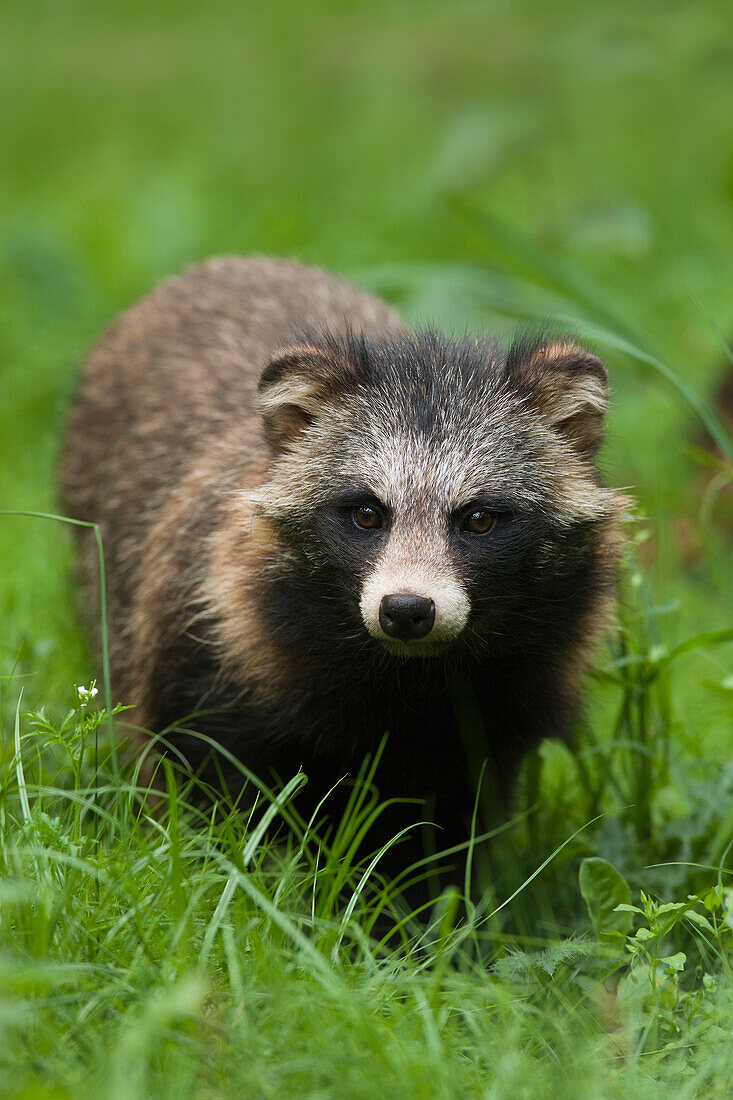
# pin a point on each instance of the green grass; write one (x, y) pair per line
(480, 164)
(203, 952)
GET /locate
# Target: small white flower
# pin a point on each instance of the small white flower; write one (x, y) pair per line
(84, 694)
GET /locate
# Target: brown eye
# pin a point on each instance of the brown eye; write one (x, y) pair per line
(366, 517)
(479, 522)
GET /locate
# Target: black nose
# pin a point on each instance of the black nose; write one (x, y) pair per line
(405, 616)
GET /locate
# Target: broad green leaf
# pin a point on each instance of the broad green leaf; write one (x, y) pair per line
(604, 889)
(728, 903)
(675, 962)
(672, 907)
(701, 922)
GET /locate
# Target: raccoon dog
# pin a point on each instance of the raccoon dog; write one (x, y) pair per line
(320, 526)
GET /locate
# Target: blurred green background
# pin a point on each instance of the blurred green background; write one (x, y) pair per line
(475, 162)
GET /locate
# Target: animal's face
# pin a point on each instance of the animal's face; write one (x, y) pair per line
(441, 492)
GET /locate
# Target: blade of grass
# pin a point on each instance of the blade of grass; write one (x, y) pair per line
(102, 612)
(20, 775)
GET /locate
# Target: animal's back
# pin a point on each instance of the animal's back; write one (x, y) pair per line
(176, 375)
(182, 365)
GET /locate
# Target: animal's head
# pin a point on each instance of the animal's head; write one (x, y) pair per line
(444, 491)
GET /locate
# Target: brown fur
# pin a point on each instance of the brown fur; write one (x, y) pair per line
(198, 437)
(177, 373)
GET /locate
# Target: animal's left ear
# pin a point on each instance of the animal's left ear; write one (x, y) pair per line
(567, 385)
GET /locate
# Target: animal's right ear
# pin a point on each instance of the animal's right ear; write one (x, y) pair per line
(292, 389)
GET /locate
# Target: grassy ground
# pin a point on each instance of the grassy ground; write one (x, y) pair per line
(478, 163)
